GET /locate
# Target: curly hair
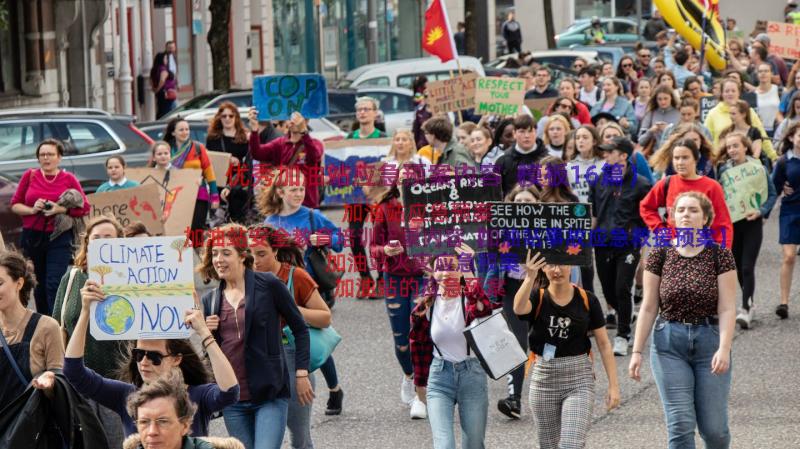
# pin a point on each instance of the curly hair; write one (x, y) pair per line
(169, 386)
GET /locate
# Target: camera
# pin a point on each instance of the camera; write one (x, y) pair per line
(48, 205)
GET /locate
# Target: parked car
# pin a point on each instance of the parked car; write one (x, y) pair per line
(10, 223)
(403, 72)
(211, 100)
(616, 30)
(563, 58)
(90, 136)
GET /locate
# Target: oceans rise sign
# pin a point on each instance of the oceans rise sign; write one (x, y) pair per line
(745, 188)
(784, 39)
(346, 161)
(452, 95)
(452, 210)
(559, 231)
(148, 284)
(278, 96)
(499, 96)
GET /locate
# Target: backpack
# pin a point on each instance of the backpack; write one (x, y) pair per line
(532, 355)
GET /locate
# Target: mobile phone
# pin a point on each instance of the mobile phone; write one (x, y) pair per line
(394, 242)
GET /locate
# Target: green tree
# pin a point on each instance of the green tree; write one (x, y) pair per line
(219, 43)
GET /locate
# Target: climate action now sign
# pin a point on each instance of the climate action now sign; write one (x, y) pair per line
(499, 96)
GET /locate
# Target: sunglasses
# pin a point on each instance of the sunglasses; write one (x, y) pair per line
(627, 66)
(227, 115)
(153, 356)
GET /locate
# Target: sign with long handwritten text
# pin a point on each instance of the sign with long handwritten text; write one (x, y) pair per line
(452, 94)
(347, 167)
(278, 96)
(148, 283)
(745, 188)
(784, 40)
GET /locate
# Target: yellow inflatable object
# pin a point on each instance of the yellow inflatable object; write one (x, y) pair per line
(686, 17)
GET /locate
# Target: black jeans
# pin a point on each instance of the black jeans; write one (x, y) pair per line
(747, 237)
(356, 217)
(520, 330)
(199, 223)
(587, 277)
(616, 269)
(51, 260)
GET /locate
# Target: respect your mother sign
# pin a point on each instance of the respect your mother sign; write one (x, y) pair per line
(148, 283)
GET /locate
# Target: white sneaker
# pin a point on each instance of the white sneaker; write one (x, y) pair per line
(407, 391)
(418, 409)
(744, 318)
(620, 346)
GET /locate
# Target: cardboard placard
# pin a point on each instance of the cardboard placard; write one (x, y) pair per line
(277, 96)
(499, 96)
(451, 95)
(177, 190)
(141, 203)
(784, 39)
(220, 161)
(148, 283)
(452, 210)
(539, 106)
(561, 232)
(745, 188)
(347, 165)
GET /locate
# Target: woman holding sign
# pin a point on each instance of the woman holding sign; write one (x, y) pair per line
(560, 316)
(245, 315)
(736, 151)
(148, 361)
(186, 153)
(445, 372)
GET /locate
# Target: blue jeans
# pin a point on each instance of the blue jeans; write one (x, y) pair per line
(299, 417)
(692, 396)
(399, 303)
(258, 426)
(462, 384)
(50, 261)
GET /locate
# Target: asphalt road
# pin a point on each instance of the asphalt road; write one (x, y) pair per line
(764, 404)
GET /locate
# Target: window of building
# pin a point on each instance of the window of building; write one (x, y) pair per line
(9, 47)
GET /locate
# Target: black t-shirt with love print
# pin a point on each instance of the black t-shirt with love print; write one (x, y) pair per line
(564, 327)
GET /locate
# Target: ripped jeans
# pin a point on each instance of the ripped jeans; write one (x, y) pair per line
(399, 310)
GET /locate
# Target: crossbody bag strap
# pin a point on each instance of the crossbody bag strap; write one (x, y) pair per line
(431, 320)
(290, 282)
(64, 303)
(11, 359)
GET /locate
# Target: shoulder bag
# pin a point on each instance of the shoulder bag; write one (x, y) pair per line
(326, 277)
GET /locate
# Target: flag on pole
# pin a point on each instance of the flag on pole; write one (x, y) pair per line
(436, 37)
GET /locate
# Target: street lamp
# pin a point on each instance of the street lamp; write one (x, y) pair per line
(124, 79)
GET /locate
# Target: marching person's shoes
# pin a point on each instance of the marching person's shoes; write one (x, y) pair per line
(782, 311)
(744, 318)
(509, 406)
(418, 409)
(335, 402)
(620, 346)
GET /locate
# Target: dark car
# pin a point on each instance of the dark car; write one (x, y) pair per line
(90, 136)
(10, 223)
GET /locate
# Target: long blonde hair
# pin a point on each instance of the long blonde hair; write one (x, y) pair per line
(269, 201)
(410, 136)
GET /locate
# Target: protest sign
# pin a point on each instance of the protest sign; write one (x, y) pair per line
(451, 95)
(220, 161)
(277, 96)
(706, 105)
(745, 188)
(784, 39)
(177, 190)
(140, 203)
(561, 232)
(346, 165)
(499, 96)
(451, 210)
(148, 285)
(538, 106)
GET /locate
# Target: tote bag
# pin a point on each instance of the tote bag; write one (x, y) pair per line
(495, 345)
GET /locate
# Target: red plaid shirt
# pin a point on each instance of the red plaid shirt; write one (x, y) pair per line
(420, 335)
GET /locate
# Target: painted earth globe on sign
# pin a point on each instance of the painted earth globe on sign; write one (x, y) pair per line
(114, 316)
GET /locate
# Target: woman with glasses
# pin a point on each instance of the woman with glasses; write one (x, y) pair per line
(149, 360)
(226, 133)
(569, 88)
(629, 75)
(41, 201)
(564, 106)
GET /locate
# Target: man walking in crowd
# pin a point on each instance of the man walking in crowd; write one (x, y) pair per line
(366, 114)
(615, 201)
(512, 33)
(541, 85)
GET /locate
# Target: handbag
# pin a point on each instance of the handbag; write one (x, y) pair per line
(322, 342)
(64, 333)
(495, 346)
(326, 278)
(171, 94)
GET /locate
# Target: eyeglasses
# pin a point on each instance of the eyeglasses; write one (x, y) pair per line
(47, 155)
(161, 423)
(153, 356)
(227, 115)
(366, 109)
(644, 55)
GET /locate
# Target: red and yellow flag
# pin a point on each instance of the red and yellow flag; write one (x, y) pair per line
(436, 37)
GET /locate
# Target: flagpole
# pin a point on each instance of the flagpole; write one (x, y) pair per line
(703, 33)
(452, 77)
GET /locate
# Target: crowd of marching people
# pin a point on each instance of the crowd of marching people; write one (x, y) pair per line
(630, 141)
